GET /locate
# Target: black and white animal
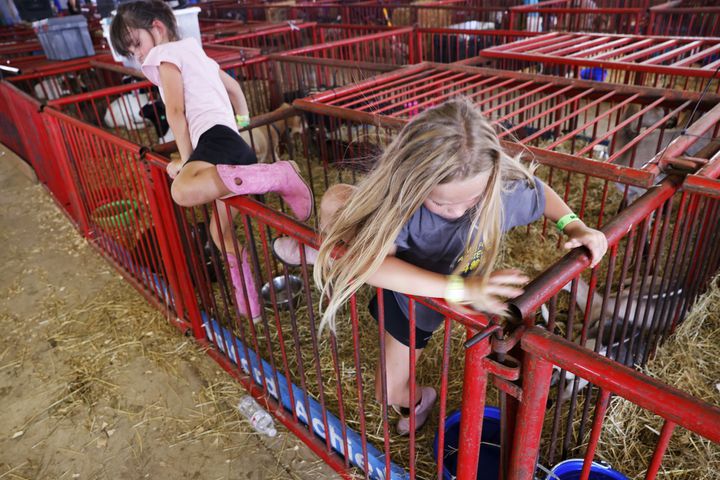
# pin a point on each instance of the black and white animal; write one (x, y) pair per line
(155, 112)
(124, 112)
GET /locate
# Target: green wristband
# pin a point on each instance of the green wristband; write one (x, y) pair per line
(455, 289)
(565, 220)
(242, 120)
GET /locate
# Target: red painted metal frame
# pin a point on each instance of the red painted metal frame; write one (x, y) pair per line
(660, 55)
(359, 48)
(98, 168)
(271, 39)
(580, 18)
(40, 63)
(680, 17)
(383, 101)
(706, 181)
(9, 51)
(642, 390)
(31, 143)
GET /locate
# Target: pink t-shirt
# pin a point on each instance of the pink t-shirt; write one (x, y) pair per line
(206, 100)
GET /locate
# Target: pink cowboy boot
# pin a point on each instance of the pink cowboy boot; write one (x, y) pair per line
(254, 311)
(282, 177)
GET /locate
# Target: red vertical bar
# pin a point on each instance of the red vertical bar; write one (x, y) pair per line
(413, 393)
(443, 398)
(600, 409)
(473, 405)
(63, 163)
(663, 441)
(526, 445)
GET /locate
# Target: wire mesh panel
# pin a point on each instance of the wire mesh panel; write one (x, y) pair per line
(666, 62)
(690, 18)
(579, 16)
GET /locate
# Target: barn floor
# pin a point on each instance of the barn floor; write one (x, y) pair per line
(94, 383)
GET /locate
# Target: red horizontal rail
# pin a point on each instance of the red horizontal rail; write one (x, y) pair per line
(288, 226)
(642, 390)
(347, 41)
(638, 56)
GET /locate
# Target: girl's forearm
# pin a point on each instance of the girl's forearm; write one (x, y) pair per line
(555, 207)
(239, 103)
(178, 125)
(401, 276)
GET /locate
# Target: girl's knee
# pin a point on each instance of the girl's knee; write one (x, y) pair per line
(334, 198)
(337, 195)
(183, 194)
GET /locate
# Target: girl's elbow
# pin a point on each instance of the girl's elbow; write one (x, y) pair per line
(175, 113)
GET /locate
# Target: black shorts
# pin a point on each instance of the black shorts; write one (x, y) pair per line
(221, 145)
(396, 322)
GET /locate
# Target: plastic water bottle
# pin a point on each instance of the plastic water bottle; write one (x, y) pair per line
(257, 416)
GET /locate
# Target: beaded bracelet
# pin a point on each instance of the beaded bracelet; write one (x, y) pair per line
(565, 220)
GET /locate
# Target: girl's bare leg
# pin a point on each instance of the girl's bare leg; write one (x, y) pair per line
(397, 368)
(198, 183)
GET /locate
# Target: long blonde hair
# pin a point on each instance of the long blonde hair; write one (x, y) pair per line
(450, 142)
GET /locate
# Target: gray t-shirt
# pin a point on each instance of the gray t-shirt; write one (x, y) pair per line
(434, 243)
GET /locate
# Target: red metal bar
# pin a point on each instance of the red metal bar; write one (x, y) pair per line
(472, 411)
(646, 392)
(536, 385)
(600, 409)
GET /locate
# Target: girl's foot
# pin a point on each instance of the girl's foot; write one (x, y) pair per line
(422, 411)
(287, 250)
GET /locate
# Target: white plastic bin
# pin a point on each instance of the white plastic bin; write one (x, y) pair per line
(64, 38)
(188, 26)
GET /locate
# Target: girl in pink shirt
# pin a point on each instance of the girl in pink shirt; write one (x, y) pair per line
(199, 99)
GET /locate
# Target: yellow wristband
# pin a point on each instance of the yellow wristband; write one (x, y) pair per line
(455, 289)
(565, 220)
(242, 120)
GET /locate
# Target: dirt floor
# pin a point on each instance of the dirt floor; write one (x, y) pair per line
(94, 382)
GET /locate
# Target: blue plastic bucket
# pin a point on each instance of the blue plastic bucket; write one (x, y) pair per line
(571, 469)
(489, 464)
(597, 74)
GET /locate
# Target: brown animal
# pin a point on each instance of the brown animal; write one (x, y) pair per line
(265, 139)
